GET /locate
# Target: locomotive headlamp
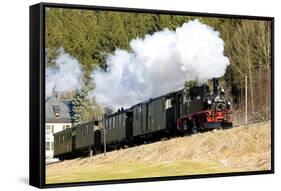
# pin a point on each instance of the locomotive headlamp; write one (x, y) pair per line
(222, 90)
(209, 102)
(229, 103)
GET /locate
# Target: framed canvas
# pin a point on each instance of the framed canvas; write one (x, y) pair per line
(131, 95)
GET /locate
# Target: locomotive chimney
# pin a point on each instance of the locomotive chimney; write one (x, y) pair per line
(215, 85)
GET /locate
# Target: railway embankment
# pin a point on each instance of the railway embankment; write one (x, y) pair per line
(243, 148)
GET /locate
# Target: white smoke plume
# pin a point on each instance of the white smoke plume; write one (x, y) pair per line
(160, 63)
(66, 75)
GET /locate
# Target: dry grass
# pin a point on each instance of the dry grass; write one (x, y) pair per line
(245, 148)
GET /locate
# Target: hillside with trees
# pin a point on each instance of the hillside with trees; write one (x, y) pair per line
(90, 35)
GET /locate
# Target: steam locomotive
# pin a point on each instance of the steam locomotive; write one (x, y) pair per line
(189, 110)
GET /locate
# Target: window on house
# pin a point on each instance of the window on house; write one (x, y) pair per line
(48, 129)
(47, 146)
(52, 146)
(56, 109)
(52, 129)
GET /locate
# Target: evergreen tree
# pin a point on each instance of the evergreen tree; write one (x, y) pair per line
(79, 104)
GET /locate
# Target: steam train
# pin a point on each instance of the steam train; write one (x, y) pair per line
(189, 110)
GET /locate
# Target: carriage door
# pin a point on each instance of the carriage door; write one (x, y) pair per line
(73, 138)
(144, 118)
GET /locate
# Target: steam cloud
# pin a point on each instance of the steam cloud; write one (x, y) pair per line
(160, 63)
(65, 75)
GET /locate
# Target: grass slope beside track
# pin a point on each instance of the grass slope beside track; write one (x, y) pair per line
(244, 148)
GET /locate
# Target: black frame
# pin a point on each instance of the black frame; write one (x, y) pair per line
(37, 94)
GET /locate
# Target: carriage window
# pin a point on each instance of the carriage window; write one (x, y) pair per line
(136, 114)
(168, 103)
(113, 121)
(119, 120)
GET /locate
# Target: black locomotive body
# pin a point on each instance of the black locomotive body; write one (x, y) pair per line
(199, 110)
(189, 110)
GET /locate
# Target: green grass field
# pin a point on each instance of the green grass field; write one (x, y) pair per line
(132, 170)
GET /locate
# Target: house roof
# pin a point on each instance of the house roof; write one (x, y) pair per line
(58, 111)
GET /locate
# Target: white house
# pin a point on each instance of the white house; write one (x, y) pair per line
(58, 118)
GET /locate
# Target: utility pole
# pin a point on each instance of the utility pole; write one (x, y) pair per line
(104, 141)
